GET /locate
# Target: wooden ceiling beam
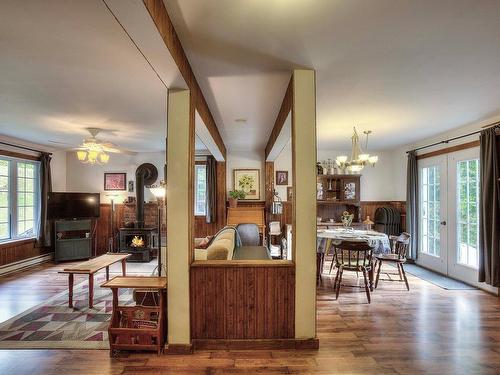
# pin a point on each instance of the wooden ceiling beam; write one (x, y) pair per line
(286, 107)
(161, 19)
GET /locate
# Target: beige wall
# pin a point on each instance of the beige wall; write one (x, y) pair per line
(90, 178)
(284, 163)
(304, 161)
(180, 156)
(245, 160)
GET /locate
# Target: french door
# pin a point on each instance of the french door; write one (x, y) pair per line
(449, 214)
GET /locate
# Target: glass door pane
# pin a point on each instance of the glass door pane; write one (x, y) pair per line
(430, 210)
(467, 214)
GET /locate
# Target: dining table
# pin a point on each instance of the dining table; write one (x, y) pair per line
(326, 238)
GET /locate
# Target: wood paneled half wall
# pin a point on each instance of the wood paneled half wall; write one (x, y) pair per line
(241, 300)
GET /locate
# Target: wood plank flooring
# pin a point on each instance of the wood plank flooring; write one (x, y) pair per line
(428, 330)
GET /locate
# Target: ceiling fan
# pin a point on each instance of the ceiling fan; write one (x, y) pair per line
(95, 151)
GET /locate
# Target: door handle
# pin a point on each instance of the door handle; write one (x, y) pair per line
(443, 222)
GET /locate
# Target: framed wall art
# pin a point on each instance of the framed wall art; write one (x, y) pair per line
(247, 180)
(115, 181)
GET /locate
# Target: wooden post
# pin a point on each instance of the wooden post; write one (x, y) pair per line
(180, 213)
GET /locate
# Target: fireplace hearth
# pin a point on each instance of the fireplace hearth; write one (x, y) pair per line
(142, 243)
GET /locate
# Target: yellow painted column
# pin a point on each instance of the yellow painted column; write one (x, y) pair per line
(180, 155)
(304, 182)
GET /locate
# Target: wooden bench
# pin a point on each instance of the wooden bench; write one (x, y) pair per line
(90, 267)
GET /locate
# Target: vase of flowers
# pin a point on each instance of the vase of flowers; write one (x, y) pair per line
(234, 195)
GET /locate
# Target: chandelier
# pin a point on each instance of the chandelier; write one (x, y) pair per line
(359, 159)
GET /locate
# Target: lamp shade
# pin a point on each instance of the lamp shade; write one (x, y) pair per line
(103, 157)
(158, 191)
(81, 155)
(341, 159)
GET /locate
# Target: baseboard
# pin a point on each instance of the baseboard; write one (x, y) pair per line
(176, 349)
(255, 344)
(25, 263)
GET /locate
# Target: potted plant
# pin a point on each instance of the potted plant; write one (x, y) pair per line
(234, 195)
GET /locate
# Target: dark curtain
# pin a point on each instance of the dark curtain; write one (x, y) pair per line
(211, 190)
(412, 203)
(489, 230)
(45, 188)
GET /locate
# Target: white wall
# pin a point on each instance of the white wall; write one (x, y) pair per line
(58, 162)
(377, 183)
(90, 178)
(284, 163)
(245, 160)
(399, 157)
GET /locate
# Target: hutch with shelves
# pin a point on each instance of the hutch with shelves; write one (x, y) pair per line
(337, 193)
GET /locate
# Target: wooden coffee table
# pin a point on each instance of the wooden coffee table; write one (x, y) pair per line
(90, 267)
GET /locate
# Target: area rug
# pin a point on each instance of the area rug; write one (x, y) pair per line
(436, 278)
(53, 325)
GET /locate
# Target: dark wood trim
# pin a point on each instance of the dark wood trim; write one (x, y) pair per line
(286, 107)
(179, 349)
(161, 19)
(19, 155)
(200, 162)
(448, 150)
(242, 263)
(257, 344)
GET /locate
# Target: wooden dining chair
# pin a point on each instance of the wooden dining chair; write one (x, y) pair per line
(352, 256)
(397, 256)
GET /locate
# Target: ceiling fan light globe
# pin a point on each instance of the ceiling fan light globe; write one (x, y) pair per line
(81, 155)
(103, 157)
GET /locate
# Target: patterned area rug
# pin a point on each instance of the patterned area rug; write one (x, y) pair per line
(53, 325)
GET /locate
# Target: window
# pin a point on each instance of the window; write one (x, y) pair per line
(19, 190)
(200, 191)
(468, 212)
(430, 208)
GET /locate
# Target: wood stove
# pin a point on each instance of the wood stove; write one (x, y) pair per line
(142, 243)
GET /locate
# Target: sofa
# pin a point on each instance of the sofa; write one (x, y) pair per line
(221, 247)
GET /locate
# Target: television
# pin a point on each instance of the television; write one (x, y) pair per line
(73, 205)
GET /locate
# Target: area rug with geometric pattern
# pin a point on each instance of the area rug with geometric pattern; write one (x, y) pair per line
(54, 325)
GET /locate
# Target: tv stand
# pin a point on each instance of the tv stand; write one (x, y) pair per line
(73, 239)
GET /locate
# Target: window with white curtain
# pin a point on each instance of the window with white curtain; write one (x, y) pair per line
(200, 191)
(19, 198)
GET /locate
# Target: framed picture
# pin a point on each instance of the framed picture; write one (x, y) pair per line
(115, 181)
(281, 177)
(289, 192)
(247, 180)
(131, 186)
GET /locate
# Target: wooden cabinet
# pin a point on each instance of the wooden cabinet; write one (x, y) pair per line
(338, 193)
(73, 239)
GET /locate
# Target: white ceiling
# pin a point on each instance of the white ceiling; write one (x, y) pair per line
(68, 65)
(405, 69)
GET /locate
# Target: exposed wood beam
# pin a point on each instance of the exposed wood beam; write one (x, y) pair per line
(286, 107)
(161, 19)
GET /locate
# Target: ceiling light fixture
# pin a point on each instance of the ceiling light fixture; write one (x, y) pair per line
(359, 159)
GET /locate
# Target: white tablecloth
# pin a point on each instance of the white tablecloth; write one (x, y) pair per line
(376, 239)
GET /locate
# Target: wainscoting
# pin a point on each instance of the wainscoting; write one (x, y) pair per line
(20, 250)
(242, 301)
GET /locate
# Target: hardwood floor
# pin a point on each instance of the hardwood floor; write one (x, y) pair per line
(428, 330)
